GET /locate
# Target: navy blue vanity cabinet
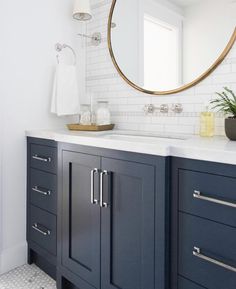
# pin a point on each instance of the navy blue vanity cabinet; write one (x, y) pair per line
(42, 204)
(203, 225)
(112, 219)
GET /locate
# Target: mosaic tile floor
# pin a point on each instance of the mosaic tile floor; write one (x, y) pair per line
(26, 277)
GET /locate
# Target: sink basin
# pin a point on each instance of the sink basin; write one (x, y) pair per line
(130, 136)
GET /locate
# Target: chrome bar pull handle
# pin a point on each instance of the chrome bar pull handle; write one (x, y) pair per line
(42, 159)
(93, 201)
(198, 195)
(42, 192)
(102, 204)
(36, 228)
(197, 253)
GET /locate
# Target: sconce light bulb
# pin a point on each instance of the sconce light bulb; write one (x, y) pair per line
(82, 16)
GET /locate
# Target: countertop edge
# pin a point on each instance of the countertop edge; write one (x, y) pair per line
(218, 149)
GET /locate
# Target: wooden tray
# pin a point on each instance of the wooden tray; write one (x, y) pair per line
(80, 127)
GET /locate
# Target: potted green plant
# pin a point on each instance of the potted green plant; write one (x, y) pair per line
(226, 103)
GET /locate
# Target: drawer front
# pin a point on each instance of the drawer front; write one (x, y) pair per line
(214, 197)
(217, 244)
(43, 158)
(43, 190)
(43, 229)
(186, 284)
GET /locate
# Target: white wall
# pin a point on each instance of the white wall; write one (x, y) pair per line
(28, 30)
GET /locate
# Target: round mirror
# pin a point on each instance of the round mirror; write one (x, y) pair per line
(166, 46)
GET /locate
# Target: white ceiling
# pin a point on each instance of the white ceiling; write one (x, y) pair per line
(185, 3)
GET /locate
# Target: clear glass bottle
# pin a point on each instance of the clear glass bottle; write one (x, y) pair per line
(85, 118)
(103, 115)
(207, 123)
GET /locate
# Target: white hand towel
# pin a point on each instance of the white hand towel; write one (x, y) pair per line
(65, 98)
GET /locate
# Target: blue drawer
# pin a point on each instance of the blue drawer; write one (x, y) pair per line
(217, 243)
(43, 229)
(208, 196)
(43, 158)
(43, 190)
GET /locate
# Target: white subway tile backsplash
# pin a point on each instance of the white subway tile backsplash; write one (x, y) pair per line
(224, 79)
(234, 67)
(232, 53)
(175, 128)
(139, 100)
(127, 104)
(127, 126)
(157, 128)
(187, 120)
(222, 69)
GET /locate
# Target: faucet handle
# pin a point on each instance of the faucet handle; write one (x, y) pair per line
(149, 109)
(177, 107)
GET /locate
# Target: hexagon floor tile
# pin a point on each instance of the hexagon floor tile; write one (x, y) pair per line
(26, 277)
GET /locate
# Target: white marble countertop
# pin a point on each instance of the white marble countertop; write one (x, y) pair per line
(217, 149)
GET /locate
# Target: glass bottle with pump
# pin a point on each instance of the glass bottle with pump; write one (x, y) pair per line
(207, 122)
(103, 115)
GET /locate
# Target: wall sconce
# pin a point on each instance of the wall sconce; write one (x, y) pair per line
(82, 10)
(96, 38)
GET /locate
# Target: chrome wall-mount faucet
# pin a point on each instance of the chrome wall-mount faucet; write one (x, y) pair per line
(163, 108)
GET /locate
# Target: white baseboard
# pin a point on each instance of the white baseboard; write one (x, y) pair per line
(13, 257)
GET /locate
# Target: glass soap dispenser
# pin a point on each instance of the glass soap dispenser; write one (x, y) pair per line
(207, 122)
(103, 115)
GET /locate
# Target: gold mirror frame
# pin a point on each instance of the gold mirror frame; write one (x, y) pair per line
(182, 88)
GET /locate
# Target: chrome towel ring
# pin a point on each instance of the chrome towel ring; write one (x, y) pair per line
(59, 47)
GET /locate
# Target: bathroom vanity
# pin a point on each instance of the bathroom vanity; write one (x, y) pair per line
(104, 217)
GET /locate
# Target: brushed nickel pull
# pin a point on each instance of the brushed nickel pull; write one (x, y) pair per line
(197, 253)
(102, 204)
(198, 195)
(93, 201)
(37, 190)
(36, 228)
(42, 159)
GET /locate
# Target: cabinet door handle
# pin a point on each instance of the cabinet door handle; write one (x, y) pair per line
(36, 228)
(197, 253)
(42, 159)
(198, 195)
(102, 204)
(42, 192)
(93, 201)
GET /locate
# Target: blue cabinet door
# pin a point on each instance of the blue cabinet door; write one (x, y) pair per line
(80, 218)
(128, 225)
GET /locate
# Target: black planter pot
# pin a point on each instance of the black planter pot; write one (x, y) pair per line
(230, 128)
